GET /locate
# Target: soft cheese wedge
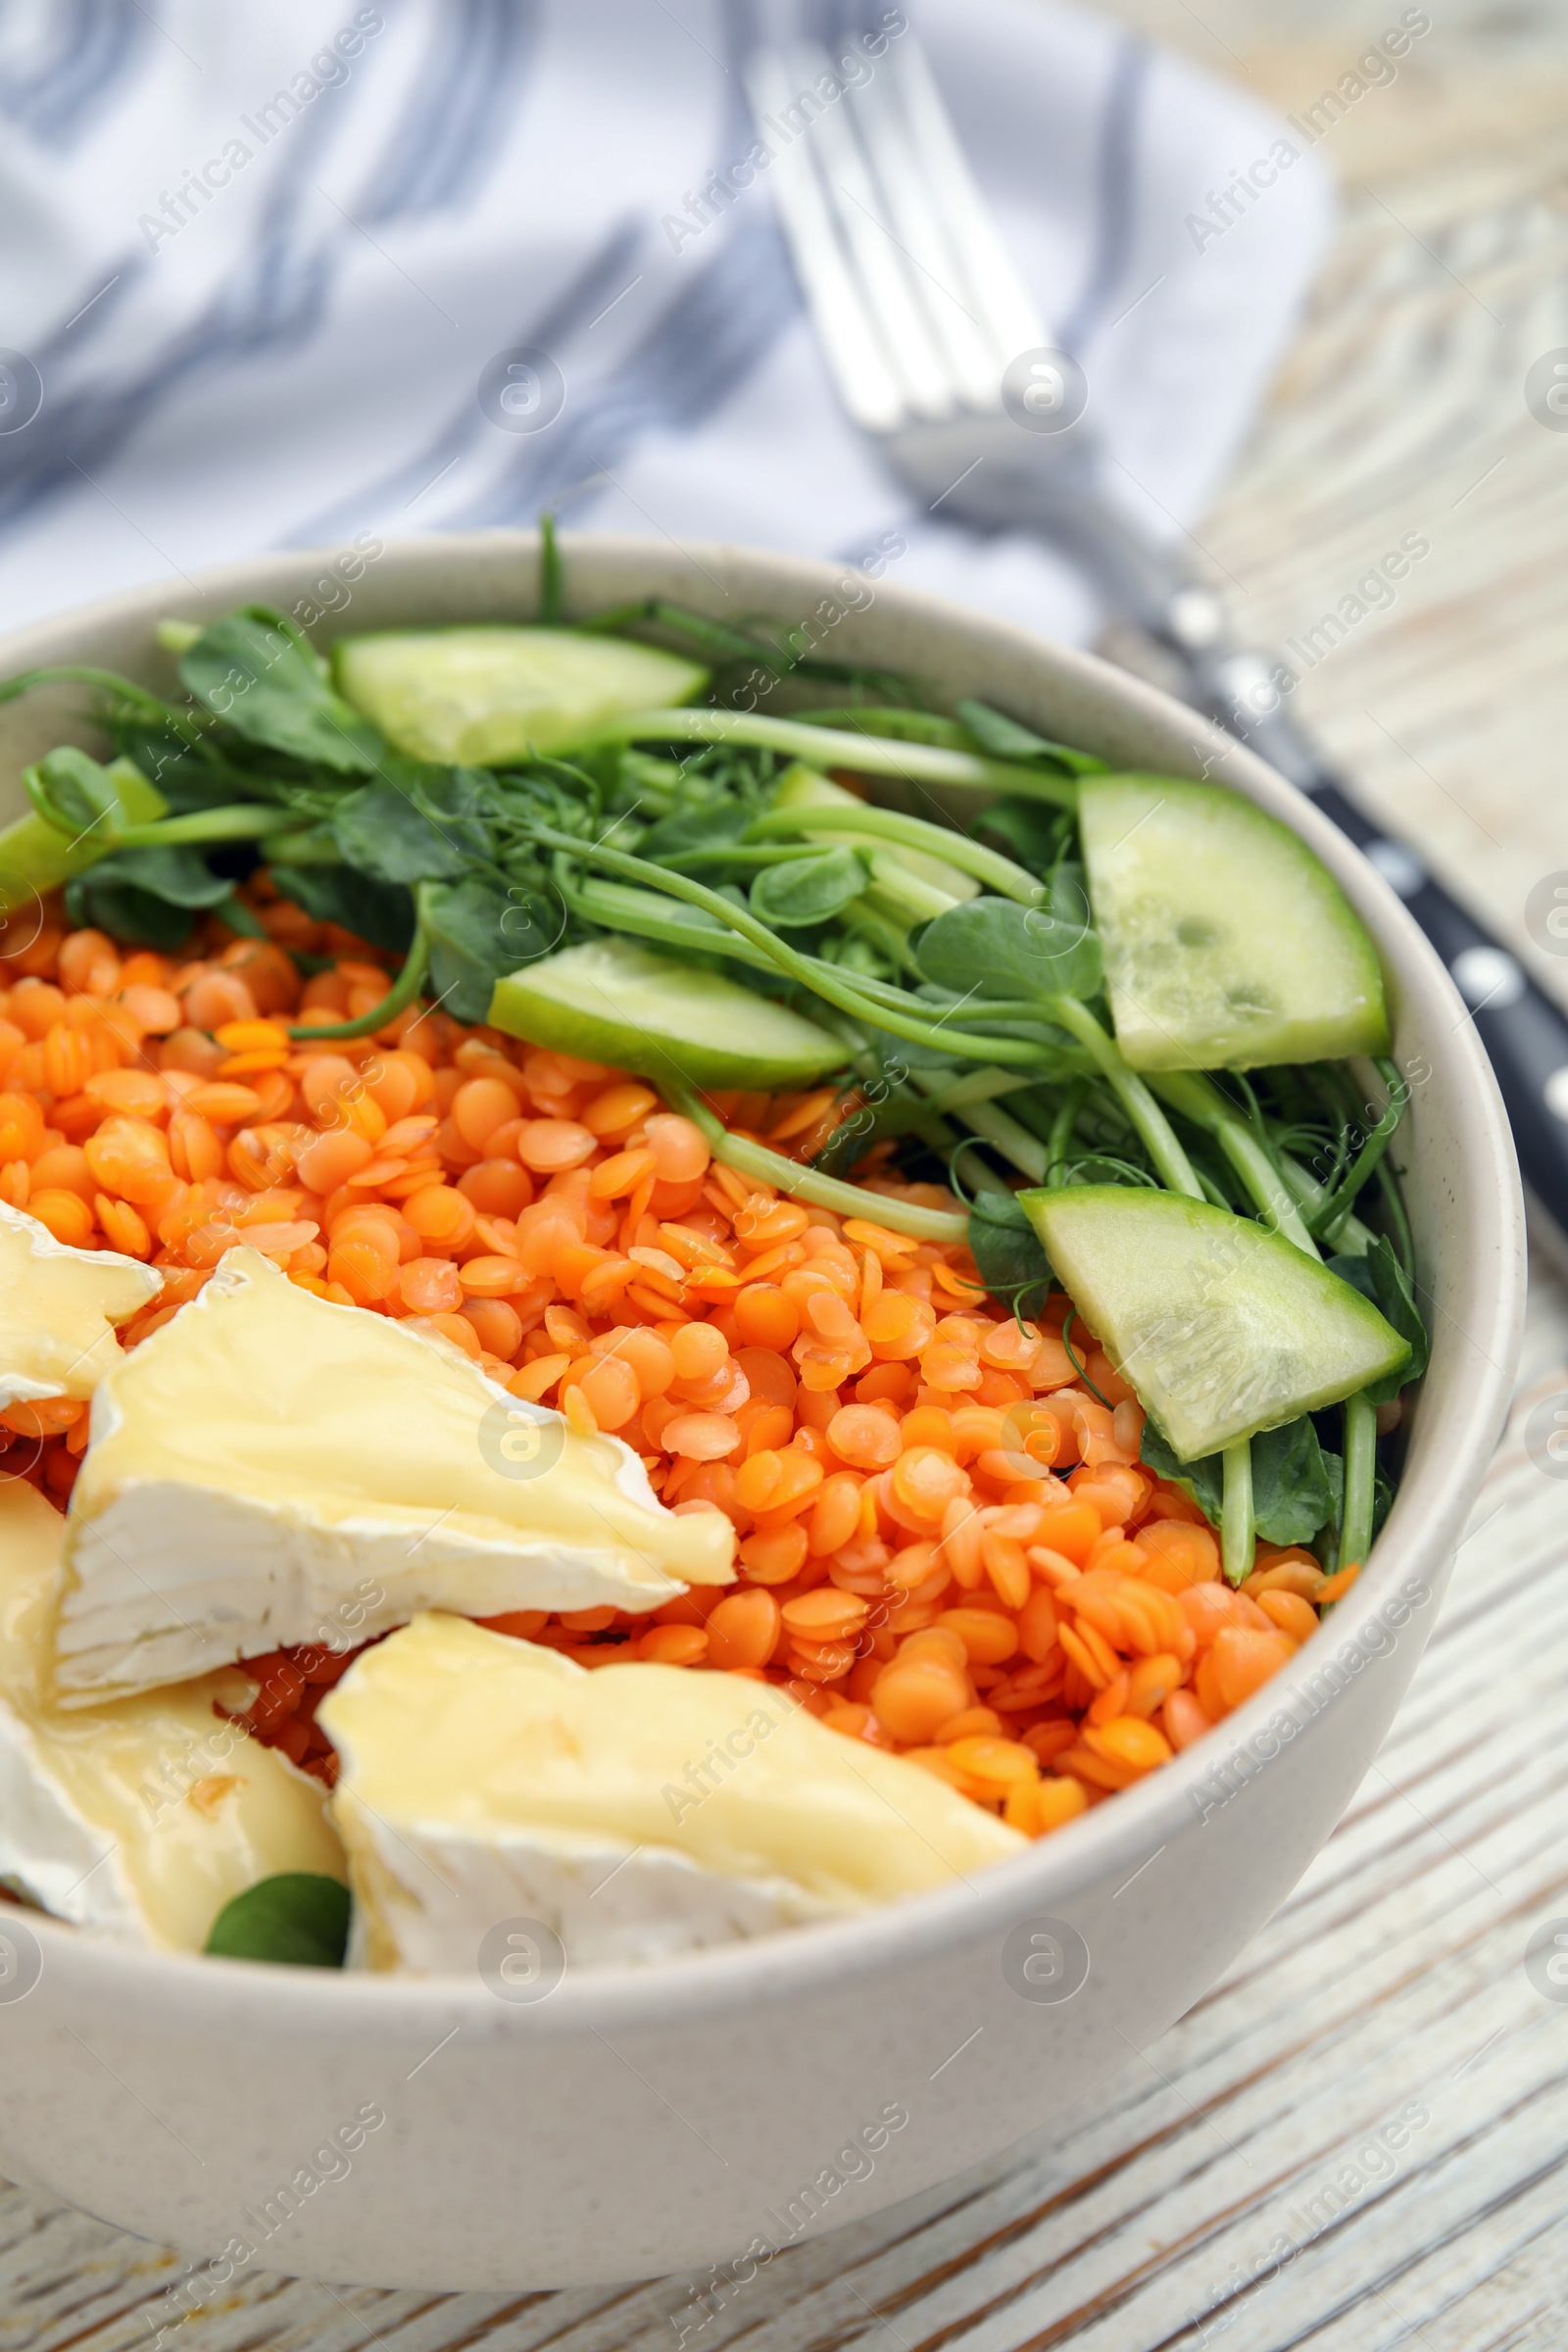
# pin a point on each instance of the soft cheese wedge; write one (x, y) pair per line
(139, 1819)
(639, 1811)
(271, 1469)
(57, 1311)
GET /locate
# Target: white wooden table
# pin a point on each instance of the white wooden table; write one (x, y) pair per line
(1204, 2195)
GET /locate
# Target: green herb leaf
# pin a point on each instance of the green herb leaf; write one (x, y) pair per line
(996, 948)
(145, 896)
(1293, 1495)
(189, 776)
(297, 1920)
(701, 825)
(1007, 1252)
(1357, 1273)
(74, 794)
(808, 890)
(1005, 738)
(381, 913)
(254, 670)
(382, 831)
(475, 941)
(181, 875)
(98, 902)
(1032, 830)
(1395, 1297)
(1202, 1482)
(1296, 1484)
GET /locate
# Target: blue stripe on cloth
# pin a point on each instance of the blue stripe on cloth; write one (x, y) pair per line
(94, 41)
(700, 351)
(697, 352)
(460, 110)
(648, 391)
(1115, 187)
(275, 300)
(572, 310)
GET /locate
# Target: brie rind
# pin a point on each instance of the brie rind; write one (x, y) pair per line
(637, 1810)
(142, 1819)
(58, 1309)
(271, 1469)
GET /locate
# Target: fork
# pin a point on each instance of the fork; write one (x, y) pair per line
(938, 352)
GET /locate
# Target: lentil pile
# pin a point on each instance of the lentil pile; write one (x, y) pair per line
(948, 1545)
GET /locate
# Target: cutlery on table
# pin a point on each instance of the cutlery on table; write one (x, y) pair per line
(939, 354)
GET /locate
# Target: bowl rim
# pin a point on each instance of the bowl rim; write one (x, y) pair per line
(1045, 1880)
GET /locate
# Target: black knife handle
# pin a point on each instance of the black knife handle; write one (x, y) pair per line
(1524, 1033)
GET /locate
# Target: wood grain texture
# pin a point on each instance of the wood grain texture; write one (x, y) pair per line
(1218, 2191)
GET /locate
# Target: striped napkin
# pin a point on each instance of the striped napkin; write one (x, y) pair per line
(284, 275)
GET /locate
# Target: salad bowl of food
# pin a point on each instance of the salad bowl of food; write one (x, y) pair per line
(744, 1329)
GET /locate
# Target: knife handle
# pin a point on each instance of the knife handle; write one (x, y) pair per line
(1525, 1034)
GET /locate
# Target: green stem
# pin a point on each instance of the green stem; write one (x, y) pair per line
(904, 726)
(821, 978)
(1353, 1237)
(552, 583)
(245, 821)
(1395, 1210)
(1025, 1150)
(1360, 1481)
(828, 746)
(804, 1184)
(745, 860)
(724, 648)
(1332, 1214)
(904, 897)
(907, 833)
(404, 988)
(979, 1086)
(619, 906)
(1198, 1098)
(1237, 1534)
(137, 698)
(865, 920)
(1063, 1126)
(1159, 1140)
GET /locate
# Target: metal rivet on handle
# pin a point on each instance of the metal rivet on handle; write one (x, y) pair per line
(1488, 976)
(1400, 870)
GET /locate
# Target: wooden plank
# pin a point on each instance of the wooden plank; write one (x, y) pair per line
(1393, 1977)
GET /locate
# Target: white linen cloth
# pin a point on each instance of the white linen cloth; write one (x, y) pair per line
(259, 259)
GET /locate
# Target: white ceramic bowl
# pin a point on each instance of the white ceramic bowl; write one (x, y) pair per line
(642, 2121)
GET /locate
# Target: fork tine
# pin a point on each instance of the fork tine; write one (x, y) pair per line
(881, 269)
(913, 224)
(996, 293)
(856, 358)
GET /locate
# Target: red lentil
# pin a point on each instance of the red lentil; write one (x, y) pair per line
(948, 1546)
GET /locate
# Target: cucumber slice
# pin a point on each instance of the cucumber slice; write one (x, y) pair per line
(484, 696)
(907, 884)
(615, 1001)
(1227, 944)
(1222, 1328)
